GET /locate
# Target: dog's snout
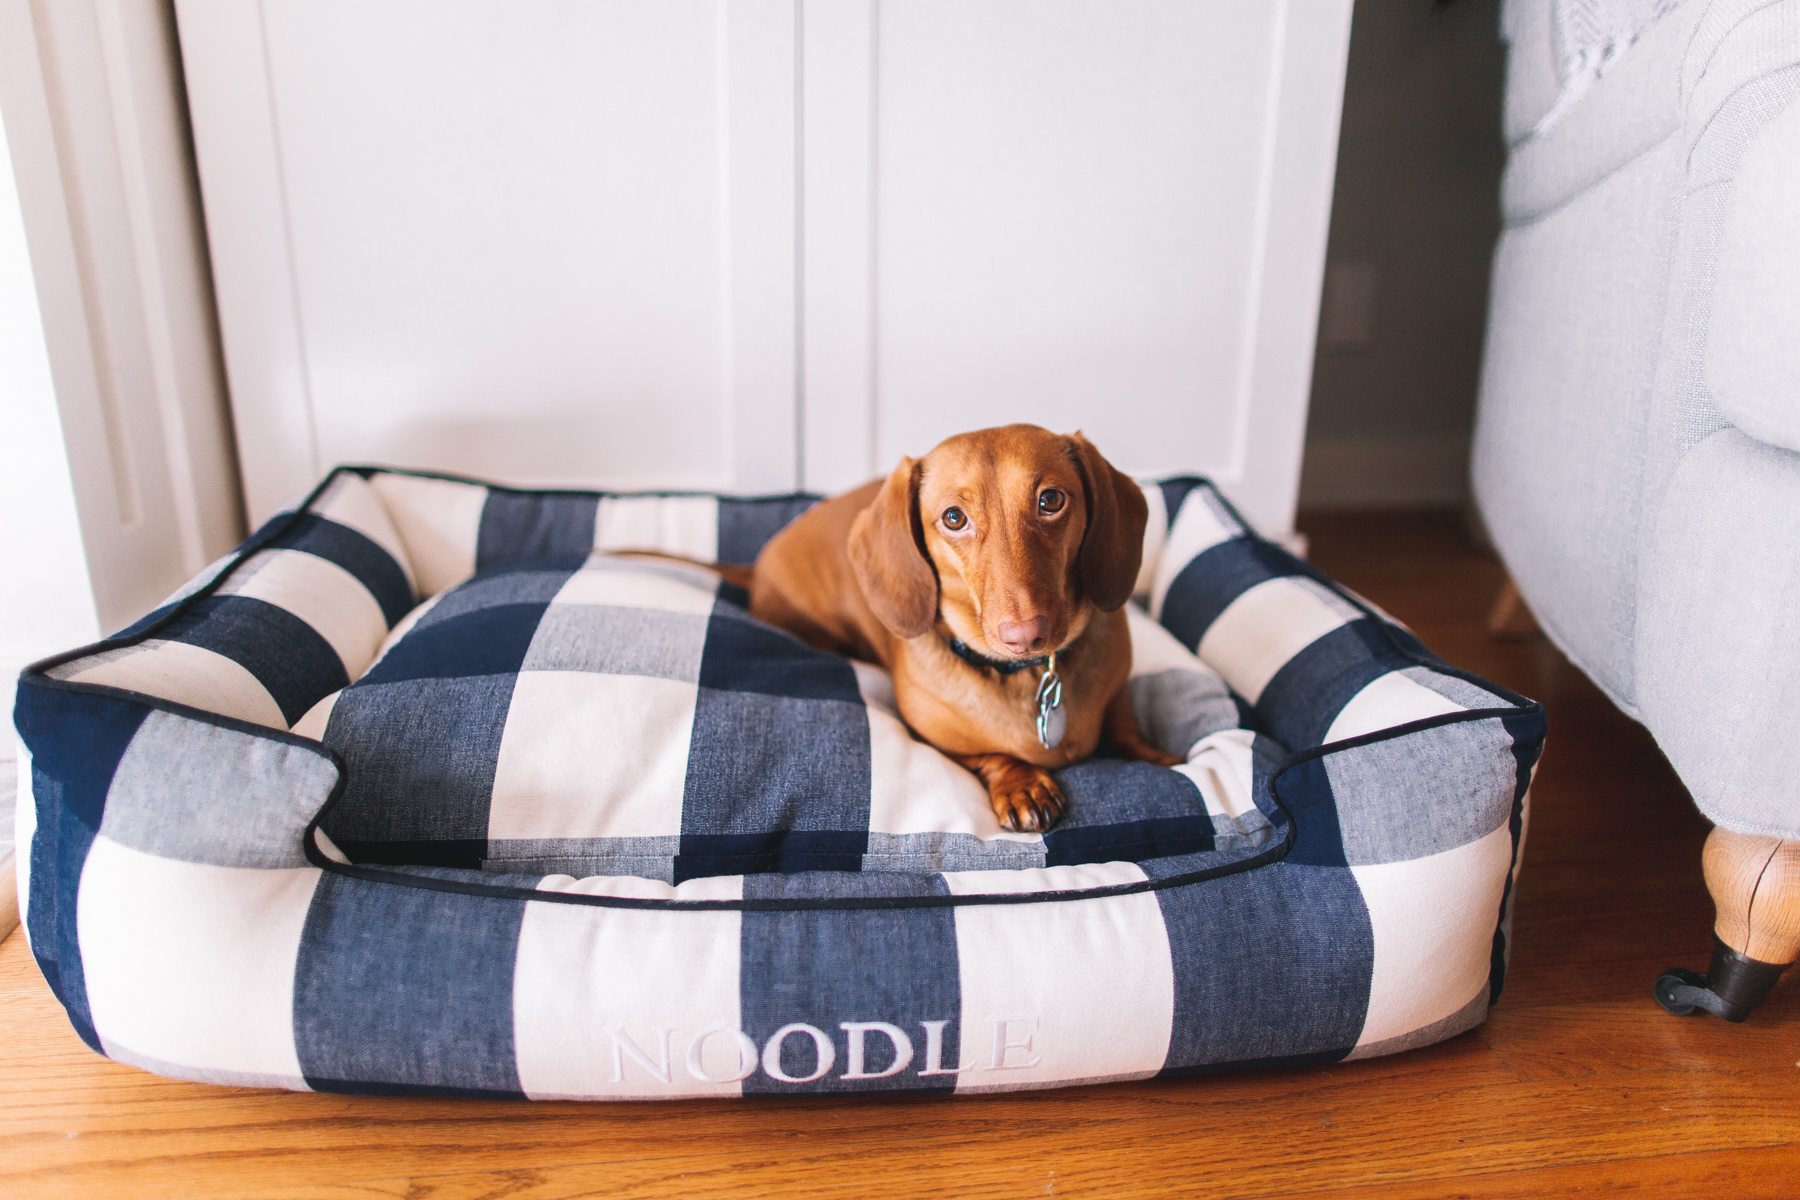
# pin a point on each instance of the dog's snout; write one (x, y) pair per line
(1025, 637)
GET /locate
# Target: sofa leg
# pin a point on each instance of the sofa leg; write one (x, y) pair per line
(1755, 885)
(1509, 620)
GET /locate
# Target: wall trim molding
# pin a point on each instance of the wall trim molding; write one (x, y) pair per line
(96, 126)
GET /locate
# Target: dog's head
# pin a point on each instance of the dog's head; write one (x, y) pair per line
(1014, 534)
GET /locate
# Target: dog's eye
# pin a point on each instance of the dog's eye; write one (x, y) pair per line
(954, 518)
(1051, 500)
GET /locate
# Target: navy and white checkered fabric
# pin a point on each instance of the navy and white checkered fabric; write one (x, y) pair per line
(596, 715)
(418, 793)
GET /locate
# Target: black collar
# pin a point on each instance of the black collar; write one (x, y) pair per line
(1006, 666)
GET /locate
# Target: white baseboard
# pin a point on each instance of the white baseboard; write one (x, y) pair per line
(1414, 472)
(9, 765)
(10, 666)
(9, 895)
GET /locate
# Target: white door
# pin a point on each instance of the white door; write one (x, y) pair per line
(763, 244)
(1097, 214)
(551, 243)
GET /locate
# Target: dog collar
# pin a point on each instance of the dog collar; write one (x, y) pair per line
(1005, 666)
(1051, 720)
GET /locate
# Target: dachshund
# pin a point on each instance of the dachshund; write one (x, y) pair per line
(989, 578)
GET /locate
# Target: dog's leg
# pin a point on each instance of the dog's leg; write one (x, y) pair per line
(1025, 798)
(1122, 733)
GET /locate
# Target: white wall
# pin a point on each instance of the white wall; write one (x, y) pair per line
(47, 600)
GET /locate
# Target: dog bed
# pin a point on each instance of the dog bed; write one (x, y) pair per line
(423, 791)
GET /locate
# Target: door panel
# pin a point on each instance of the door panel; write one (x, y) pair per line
(1097, 214)
(754, 244)
(1067, 201)
(546, 242)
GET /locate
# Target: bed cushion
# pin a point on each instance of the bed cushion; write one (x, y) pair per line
(585, 829)
(604, 715)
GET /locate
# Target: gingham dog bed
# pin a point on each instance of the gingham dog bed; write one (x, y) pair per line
(421, 792)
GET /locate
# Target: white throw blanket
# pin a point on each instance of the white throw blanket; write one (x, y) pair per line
(1591, 35)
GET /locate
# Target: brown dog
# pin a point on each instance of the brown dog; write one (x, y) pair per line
(962, 573)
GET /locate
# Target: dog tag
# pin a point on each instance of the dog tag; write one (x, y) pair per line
(1051, 720)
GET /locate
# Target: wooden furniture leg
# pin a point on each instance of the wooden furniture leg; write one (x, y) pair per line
(1509, 620)
(1755, 885)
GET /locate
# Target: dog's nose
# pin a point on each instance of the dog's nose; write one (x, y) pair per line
(1025, 637)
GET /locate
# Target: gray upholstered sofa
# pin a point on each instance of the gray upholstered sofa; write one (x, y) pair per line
(1637, 453)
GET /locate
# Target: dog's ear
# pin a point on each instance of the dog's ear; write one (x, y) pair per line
(1112, 549)
(887, 552)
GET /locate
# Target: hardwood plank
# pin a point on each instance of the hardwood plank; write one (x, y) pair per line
(1755, 1174)
(1586, 1040)
(1760, 1173)
(1341, 1138)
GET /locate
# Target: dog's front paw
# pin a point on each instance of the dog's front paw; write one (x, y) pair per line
(1026, 799)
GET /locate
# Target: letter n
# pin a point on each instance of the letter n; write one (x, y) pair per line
(623, 1047)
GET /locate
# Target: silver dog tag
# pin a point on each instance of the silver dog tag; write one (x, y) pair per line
(1051, 720)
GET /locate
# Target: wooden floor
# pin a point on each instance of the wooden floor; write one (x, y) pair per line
(1578, 1083)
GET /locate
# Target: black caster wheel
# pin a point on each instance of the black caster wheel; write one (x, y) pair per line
(1679, 991)
(1731, 989)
